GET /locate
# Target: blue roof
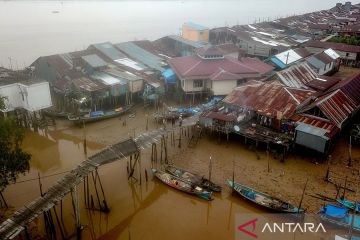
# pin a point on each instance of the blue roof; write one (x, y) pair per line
(109, 50)
(335, 211)
(141, 55)
(278, 63)
(169, 76)
(196, 26)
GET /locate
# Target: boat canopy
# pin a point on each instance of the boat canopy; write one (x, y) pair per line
(335, 211)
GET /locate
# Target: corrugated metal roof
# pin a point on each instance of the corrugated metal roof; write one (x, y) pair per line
(329, 127)
(350, 87)
(320, 132)
(297, 75)
(331, 53)
(127, 76)
(94, 61)
(109, 50)
(88, 84)
(131, 64)
(336, 106)
(288, 57)
(273, 99)
(141, 55)
(108, 79)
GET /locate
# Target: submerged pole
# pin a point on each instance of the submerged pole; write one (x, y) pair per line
(210, 168)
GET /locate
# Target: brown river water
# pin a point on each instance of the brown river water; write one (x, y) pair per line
(154, 210)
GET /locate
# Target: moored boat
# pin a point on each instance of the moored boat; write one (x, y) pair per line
(263, 199)
(181, 184)
(349, 205)
(340, 217)
(99, 115)
(193, 178)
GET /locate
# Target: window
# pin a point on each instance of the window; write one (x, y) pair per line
(347, 54)
(198, 83)
(201, 33)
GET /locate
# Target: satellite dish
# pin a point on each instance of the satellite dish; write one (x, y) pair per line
(236, 128)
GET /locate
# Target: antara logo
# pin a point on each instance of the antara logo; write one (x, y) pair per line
(253, 224)
(293, 227)
(249, 228)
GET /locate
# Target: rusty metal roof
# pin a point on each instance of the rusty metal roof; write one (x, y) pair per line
(87, 84)
(272, 99)
(297, 75)
(336, 106)
(317, 122)
(350, 87)
(219, 116)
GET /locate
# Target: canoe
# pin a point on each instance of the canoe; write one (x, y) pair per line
(340, 217)
(52, 113)
(99, 115)
(349, 205)
(182, 185)
(263, 199)
(193, 178)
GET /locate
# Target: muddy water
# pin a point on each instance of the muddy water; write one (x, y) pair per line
(153, 210)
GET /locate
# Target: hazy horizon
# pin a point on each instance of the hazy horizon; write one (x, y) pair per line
(33, 30)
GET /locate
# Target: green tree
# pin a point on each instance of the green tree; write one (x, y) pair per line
(13, 160)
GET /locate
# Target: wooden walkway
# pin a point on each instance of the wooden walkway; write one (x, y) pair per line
(25, 215)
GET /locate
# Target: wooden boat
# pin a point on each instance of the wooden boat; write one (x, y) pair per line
(263, 199)
(52, 113)
(182, 185)
(193, 178)
(99, 115)
(340, 217)
(349, 205)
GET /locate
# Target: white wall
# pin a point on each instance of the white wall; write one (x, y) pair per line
(13, 98)
(223, 87)
(32, 98)
(38, 97)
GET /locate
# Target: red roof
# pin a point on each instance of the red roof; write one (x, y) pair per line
(336, 46)
(273, 100)
(193, 67)
(319, 26)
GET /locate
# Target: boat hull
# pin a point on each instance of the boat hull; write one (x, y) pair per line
(193, 178)
(263, 199)
(181, 185)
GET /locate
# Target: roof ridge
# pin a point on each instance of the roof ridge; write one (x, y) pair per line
(195, 65)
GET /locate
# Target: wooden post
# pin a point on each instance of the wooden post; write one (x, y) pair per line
(343, 196)
(268, 157)
(303, 194)
(233, 176)
(350, 155)
(40, 185)
(75, 204)
(328, 169)
(210, 168)
(84, 132)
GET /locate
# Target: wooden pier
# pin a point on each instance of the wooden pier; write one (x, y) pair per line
(13, 226)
